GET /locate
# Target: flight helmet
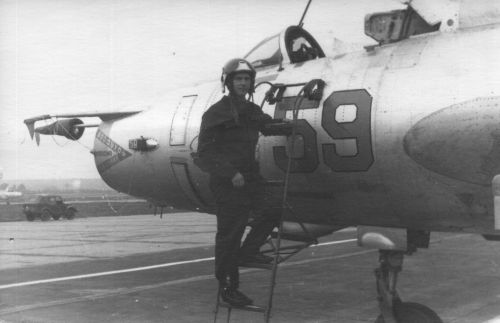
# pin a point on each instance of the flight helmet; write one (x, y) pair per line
(234, 66)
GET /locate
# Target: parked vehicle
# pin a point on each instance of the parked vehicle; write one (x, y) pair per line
(48, 206)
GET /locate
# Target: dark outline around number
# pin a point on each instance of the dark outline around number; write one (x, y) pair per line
(358, 129)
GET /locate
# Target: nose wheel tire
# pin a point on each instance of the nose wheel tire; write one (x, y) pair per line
(407, 312)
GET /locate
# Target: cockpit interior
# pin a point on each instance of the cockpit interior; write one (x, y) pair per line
(294, 45)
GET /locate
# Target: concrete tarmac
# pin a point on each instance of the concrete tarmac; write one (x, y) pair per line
(147, 269)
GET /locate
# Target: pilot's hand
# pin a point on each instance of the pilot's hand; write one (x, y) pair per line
(238, 180)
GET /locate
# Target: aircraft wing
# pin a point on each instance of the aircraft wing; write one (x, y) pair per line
(104, 116)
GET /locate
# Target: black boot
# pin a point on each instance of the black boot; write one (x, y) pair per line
(233, 296)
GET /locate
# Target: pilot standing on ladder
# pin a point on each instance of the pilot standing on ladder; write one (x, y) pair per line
(228, 137)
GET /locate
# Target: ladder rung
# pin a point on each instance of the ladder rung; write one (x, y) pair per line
(250, 308)
(274, 183)
(293, 237)
(291, 247)
(257, 265)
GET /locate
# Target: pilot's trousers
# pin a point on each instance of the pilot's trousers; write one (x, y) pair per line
(233, 208)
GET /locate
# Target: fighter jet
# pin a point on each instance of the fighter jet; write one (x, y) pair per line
(400, 139)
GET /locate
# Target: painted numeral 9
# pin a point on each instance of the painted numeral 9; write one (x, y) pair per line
(355, 128)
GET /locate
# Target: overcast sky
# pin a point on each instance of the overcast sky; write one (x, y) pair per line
(86, 55)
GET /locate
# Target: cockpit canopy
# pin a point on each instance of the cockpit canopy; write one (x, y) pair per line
(293, 45)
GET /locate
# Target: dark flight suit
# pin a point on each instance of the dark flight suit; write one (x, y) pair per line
(228, 138)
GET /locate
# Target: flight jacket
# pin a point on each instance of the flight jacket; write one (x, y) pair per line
(228, 137)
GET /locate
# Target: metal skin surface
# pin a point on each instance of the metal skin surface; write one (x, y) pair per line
(406, 135)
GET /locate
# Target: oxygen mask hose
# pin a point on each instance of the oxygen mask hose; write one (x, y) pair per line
(295, 114)
(312, 90)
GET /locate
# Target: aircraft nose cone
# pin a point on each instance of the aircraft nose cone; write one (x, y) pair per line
(461, 141)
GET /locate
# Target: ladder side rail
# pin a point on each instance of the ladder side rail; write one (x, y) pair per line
(313, 239)
(284, 206)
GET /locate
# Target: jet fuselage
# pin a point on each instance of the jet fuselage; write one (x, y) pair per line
(405, 135)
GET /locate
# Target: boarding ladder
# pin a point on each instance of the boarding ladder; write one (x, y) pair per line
(298, 237)
(298, 234)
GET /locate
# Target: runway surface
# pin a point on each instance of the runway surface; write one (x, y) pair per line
(147, 269)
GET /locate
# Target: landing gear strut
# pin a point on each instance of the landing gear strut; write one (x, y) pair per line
(393, 309)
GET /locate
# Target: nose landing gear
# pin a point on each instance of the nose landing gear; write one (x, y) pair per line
(393, 244)
(393, 309)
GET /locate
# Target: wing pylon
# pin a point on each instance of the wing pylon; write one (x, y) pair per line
(62, 129)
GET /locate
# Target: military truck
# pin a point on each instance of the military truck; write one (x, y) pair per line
(48, 206)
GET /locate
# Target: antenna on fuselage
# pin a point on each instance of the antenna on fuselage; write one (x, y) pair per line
(301, 23)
